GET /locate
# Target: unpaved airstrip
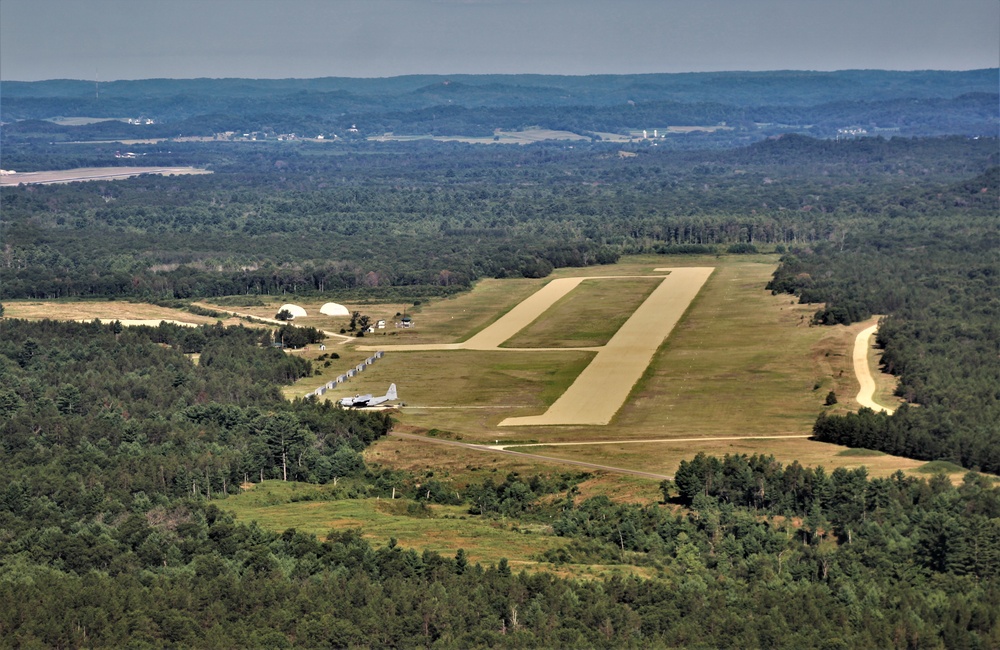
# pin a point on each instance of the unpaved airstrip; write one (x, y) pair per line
(604, 385)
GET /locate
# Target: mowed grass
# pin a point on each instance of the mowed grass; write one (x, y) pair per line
(588, 316)
(741, 362)
(467, 390)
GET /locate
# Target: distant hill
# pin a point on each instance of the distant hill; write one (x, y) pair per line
(764, 103)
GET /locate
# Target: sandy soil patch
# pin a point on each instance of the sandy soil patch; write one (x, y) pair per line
(93, 174)
(605, 384)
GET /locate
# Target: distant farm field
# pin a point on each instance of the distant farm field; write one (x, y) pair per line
(93, 174)
(105, 310)
(526, 136)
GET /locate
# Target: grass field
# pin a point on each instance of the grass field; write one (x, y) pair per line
(588, 316)
(468, 390)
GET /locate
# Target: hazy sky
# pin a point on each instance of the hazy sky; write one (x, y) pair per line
(137, 39)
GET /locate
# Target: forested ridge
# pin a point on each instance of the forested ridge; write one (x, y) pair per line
(120, 452)
(433, 219)
(751, 105)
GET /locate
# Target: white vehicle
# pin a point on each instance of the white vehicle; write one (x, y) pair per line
(364, 401)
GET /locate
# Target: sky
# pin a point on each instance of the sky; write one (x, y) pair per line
(142, 39)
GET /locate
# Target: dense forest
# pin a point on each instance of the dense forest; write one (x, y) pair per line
(120, 452)
(435, 218)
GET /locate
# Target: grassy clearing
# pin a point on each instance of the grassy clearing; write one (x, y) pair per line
(443, 529)
(741, 363)
(462, 467)
(457, 465)
(586, 317)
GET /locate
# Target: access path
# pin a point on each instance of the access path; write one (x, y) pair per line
(863, 371)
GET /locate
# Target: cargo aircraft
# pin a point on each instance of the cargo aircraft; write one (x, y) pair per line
(364, 401)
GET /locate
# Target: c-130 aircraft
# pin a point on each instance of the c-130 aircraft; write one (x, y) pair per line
(364, 401)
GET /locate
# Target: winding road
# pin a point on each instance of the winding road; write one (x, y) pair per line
(866, 395)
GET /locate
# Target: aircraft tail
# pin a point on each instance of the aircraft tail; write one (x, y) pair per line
(392, 392)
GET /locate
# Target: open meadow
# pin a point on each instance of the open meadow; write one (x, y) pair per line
(442, 529)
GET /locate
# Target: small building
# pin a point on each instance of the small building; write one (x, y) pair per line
(380, 324)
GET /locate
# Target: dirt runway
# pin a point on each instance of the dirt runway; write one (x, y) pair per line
(604, 385)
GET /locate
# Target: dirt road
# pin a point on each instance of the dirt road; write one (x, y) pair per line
(866, 396)
(498, 449)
